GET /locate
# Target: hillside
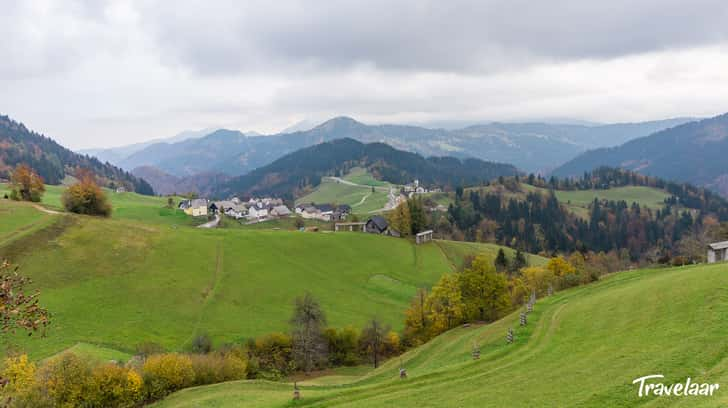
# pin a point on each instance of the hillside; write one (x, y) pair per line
(303, 169)
(132, 279)
(116, 155)
(529, 146)
(582, 347)
(54, 162)
(692, 152)
(163, 183)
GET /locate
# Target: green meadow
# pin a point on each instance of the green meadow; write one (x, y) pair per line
(115, 283)
(581, 347)
(361, 198)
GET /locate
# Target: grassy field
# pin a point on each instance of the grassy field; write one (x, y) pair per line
(361, 199)
(126, 206)
(457, 251)
(645, 196)
(115, 283)
(582, 347)
(361, 176)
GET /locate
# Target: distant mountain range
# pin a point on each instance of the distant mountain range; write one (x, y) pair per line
(116, 155)
(693, 152)
(54, 162)
(298, 172)
(529, 146)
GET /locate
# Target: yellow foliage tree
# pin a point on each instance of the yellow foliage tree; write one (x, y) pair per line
(115, 386)
(416, 322)
(400, 219)
(560, 267)
(166, 373)
(19, 372)
(445, 306)
(66, 380)
(537, 278)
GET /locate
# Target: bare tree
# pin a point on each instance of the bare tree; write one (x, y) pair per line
(308, 324)
(372, 340)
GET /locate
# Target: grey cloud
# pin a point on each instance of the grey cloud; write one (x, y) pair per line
(455, 35)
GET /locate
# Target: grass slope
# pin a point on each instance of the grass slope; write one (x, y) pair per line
(361, 198)
(126, 206)
(582, 347)
(117, 283)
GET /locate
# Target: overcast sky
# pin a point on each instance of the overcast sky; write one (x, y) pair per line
(94, 73)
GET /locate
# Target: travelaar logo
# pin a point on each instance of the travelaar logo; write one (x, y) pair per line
(685, 389)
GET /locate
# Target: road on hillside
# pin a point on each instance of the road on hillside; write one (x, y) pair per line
(211, 224)
(351, 183)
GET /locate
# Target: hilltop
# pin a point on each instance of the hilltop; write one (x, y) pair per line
(54, 162)
(529, 146)
(299, 171)
(692, 152)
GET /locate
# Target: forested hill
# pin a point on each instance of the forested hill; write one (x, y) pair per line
(299, 171)
(693, 152)
(53, 161)
(535, 214)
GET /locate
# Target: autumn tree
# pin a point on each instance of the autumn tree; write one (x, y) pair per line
(400, 219)
(416, 321)
(445, 306)
(86, 197)
(484, 291)
(19, 310)
(373, 340)
(308, 324)
(26, 184)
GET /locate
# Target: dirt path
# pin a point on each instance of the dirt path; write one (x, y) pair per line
(363, 199)
(45, 210)
(211, 224)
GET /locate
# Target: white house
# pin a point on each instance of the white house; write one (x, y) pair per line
(718, 252)
(256, 213)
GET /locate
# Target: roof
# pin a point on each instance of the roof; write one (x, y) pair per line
(424, 233)
(281, 210)
(198, 202)
(379, 222)
(718, 245)
(325, 207)
(344, 207)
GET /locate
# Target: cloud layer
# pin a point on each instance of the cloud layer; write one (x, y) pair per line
(93, 73)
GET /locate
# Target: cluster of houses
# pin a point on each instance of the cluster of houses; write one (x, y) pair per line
(415, 188)
(323, 212)
(255, 209)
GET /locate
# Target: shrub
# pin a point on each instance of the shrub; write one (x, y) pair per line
(166, 373)
(66, 380)
(217, 367)
(149, 348)
(19, 373)
(202, 344)
(343, 346)
(115, 386)
(271, 356)
(86, 197)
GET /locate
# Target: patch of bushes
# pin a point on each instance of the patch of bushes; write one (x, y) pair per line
(72, 381)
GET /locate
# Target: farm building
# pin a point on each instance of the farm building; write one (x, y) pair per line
(195, 208)
(718, 252)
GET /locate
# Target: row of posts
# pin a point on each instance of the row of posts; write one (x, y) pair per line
(524, 315)
(510, 337)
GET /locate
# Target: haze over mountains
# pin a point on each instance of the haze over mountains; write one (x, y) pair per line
(532, 147)
(298, 172)
(694, 152)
